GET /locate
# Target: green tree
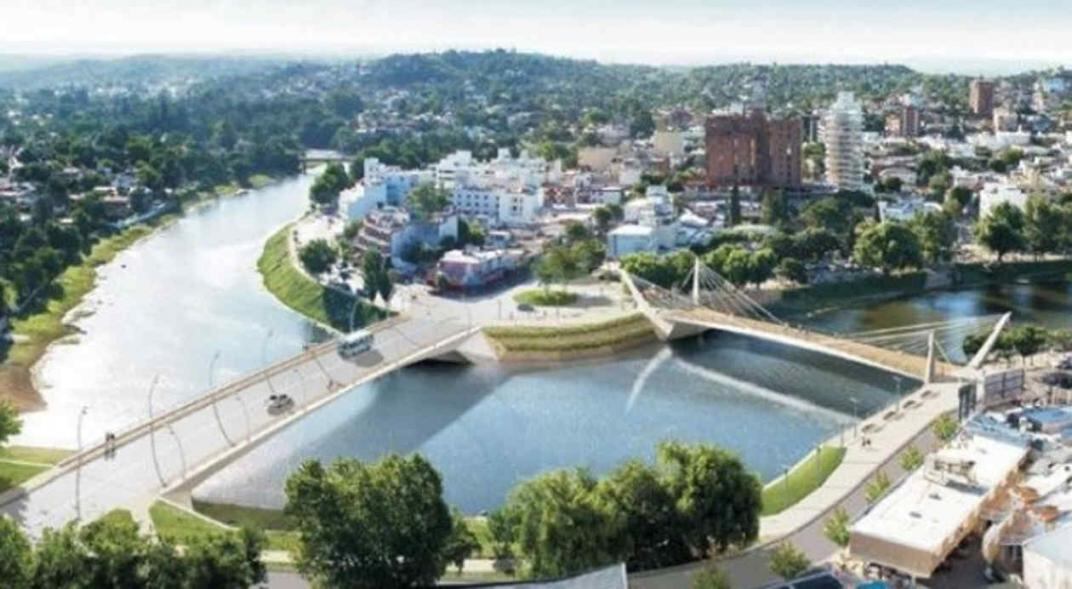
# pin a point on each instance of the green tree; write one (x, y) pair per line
(317, 256)
(711, 577)
(370, 525)
(10, 422)
(961, 195)
(377, 278)
(227, 561)
(717, 497)
(936, 233)
(877, 487)
(558, 264)
(326, 188)
(774, 208)
(16, 555)
(1044, 226)
(832, 214)
(652, 527)
(911, 459)
(603, 218)
(576, 231)
(836, 527)
(426, 200)
(793, 270)
(888, 246)
(461, 543)
(945, 428)
(61, 560)
(560, 527)
(1002, 230)
(788, 562)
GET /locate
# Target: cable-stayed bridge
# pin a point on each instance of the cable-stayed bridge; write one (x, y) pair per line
(708, 301)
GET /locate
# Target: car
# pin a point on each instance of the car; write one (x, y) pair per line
(279, 404)
(526, 308)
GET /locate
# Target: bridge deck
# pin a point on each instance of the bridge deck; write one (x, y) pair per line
(901, 362)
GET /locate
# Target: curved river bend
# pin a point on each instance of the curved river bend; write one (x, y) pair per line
(191, 293)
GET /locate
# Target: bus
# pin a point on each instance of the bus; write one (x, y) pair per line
(355, 343)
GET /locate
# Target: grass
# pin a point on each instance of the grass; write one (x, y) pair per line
(241, 515)
(175, 525)
(47, 456)
(545, 298)
(304, 295)
(804, 478)
(13, 474)
(622, 331)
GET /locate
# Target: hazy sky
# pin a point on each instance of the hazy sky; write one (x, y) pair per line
(651, 31)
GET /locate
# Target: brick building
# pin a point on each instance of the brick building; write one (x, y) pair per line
(981, 98)
(751, 149)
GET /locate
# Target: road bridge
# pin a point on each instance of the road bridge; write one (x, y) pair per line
(182, 446)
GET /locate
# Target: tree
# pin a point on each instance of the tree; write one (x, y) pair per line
(10, 422)
(365, 525)
(426, 200)
(326, 188)
(877, 487)
(375, 274)
(16, 555)
(652, 524)
(560, 527)
(558, 264)
(911, 459)
(733, 215)
(711, 577)
(832, 214)
(717, 497)
(788, 562)
(603, 218)
(461, 543)
(317, 256)
(793, 270)
(836, 527)
(576, 231)
(936, 233)
(945, 428)
(961, 195)
(228, 561)
(888, 246)
(1044, 226)
(774, 208)
(1002, 230)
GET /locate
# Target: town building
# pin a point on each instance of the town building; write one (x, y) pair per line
(752, 149)
(382, 185)
(668, 143)
(915, 527)
(842, 133)
(470, 268)
(630, 239)
(906, 209)
(1005, 119)
(981, 97)
(904, 123)
(391, 231)
(996, 193)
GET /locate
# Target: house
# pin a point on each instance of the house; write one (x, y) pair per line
(470, 268)
(905, 209)
(391, 231)
(630, 239)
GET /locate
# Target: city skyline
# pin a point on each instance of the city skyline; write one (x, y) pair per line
(978, 37)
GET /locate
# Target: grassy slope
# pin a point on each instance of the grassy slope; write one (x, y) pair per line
(803, 479)
(20, 463)
(295, 290)
(615, 332)
(175, 525)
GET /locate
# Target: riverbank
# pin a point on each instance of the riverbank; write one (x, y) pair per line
(570, 342)
(818, 298)
(328, 307)
(34, 333)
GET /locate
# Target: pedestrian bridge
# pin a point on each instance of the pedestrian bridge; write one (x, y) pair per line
(715, 304)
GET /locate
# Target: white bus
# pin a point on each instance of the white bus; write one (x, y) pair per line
(355, 343)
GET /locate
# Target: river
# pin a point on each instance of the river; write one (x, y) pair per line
(190, 293)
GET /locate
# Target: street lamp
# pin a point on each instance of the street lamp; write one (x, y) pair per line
(855, 420)
(152, 431)
(264, 360)
(78, 468)
(215, 398)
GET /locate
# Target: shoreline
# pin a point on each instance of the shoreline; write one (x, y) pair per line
(34, 335)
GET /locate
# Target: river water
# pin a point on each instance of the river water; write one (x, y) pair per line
(191, 292)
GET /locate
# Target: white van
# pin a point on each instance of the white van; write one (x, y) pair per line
(355, 343)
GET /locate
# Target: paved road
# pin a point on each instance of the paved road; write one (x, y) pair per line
(148, 461)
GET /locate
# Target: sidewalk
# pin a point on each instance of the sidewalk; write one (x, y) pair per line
(888, 433)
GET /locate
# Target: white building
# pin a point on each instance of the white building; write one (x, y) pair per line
(475, 268)
(503, 191)
(995, 193)
(842, 133)
(381, 186)
(669, 143)
(630, 239)
(905, 210)
(499, 205)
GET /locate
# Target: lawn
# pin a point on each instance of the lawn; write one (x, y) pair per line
(623, 331)
(540, 297)
(175, 525)
(295, 290)
(19, 464)
(805, 477)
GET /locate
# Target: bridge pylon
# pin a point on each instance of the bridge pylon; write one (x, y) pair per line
(928, 375)
(696, 280)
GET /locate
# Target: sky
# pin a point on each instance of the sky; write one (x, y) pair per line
(946, 34)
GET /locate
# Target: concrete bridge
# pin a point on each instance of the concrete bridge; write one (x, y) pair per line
(715, 304)
(173, 451)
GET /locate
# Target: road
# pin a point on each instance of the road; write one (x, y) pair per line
(189, 442)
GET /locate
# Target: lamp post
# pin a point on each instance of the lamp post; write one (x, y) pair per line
(855, 420)
(215, 398)
(152, 431)
(78, 468)
(264, 360)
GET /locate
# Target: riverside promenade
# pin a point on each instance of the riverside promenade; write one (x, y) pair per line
(889, 432)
